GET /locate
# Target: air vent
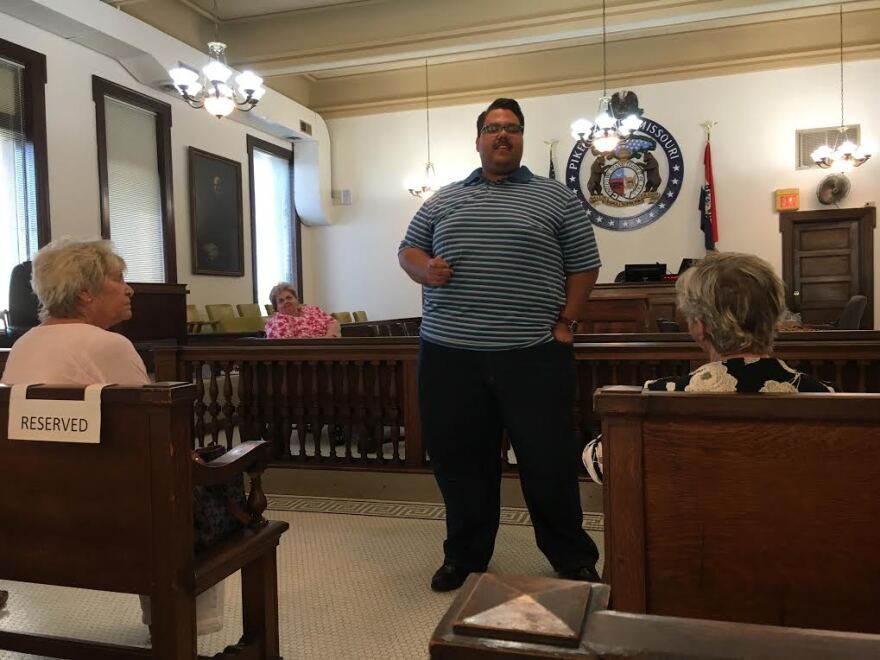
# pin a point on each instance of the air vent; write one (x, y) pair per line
(305, 127)
(810, 139)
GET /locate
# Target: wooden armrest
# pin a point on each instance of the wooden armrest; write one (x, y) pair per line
(251, 457)
(225, 558)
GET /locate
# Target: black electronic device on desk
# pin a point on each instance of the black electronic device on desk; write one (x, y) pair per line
(644, 272)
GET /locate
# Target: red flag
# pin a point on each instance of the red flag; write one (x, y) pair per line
(708, 209)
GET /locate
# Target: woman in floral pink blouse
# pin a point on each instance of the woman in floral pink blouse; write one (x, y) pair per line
(292, 320)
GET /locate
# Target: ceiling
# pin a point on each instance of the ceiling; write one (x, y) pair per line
(346, 57)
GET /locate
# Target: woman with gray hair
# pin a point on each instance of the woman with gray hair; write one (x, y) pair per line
(82, 292)
(732, 303)
(293, 320)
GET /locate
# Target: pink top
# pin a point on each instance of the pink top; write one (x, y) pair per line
(73, 354)
(311, 322)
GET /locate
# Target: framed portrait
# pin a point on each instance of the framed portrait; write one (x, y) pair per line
(215, 214)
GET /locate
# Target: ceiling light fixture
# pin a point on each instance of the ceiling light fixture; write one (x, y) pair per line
(844, 155)
(428, 184)
(606, 130)
(210, 89)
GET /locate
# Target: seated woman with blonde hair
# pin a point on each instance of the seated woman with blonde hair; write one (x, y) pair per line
(293, 320)
(82, 292)
(732, 303)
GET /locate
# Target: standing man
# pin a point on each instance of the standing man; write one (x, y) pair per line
(508, 260)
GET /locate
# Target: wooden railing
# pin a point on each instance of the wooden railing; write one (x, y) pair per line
(353, 403)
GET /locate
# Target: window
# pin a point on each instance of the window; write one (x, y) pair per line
(24, 189)
(134, 172)
(275, 228)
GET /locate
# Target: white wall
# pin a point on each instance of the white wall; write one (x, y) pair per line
(73, 166)
(753, 150)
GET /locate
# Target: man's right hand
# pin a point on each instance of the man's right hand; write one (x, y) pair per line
(437, 272)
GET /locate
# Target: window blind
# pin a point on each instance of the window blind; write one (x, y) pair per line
(18, 200)
(134, 190)
(272, 211)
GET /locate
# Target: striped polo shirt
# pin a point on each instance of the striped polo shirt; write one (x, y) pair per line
(510, 244)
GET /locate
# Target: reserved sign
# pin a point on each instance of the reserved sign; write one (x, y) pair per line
(55, 421)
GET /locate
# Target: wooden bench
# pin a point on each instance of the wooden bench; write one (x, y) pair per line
(517, 617)
(757, 508)
(117, 516)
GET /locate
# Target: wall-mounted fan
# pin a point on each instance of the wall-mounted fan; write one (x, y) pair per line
(832, 189)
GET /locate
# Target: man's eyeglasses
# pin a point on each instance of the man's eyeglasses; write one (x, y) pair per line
(492, 129)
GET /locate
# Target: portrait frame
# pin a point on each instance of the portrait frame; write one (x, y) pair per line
(216, 219)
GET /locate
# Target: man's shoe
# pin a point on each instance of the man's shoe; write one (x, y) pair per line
(582, 574)
(449, 577)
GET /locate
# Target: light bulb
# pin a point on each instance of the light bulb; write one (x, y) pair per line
(631, 123)
(219, 106)
(216, 71)
(605, 120)
(822, 152)
(606, 142)
(248, 80)
(581, 128)
(183, 77)
(847, 147)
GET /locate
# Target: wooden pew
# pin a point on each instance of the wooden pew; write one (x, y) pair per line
(117, 516)
(756, 508)
(517, 617)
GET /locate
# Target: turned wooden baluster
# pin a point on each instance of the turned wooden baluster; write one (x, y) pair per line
(299, 409)
(268, 406)
(284, 410)
(314, 399)
(245, 414)
(199, 405)
(257, 394)
(360, 413)
(376, 411)
(329, 408)
(256, 501)
(213, 404)
(345, 409)
(228, 409)
(863, 366)
(393, 410)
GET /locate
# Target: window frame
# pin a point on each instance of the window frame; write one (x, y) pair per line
(102, 88)
(35, 80)
(254, 142)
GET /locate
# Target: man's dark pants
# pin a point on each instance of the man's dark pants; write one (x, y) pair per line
(467, 399)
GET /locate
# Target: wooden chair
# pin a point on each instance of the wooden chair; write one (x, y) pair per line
(758, 508)
(249, 309)
(117, 516)
(221, 311)
(359, 316)
(342, 317)
(242, 324)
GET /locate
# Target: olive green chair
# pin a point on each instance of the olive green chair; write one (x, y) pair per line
(217, 312)
(242, 324)
(249, 309)
(359, 316)
(342, 317)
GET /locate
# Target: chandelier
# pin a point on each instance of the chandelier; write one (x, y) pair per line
(211, 89)
(427, 186)
(607, 129)
(844, 155)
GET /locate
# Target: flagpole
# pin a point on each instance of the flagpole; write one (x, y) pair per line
(708, 209)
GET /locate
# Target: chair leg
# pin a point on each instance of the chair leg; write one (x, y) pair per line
(171, 637)
(259, 595)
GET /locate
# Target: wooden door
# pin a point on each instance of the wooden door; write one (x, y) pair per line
(827, 257)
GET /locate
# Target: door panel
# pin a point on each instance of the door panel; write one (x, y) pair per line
(828, 257)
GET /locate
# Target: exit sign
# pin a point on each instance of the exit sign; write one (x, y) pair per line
(788, 199)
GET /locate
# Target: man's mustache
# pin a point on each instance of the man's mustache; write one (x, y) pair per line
(501, 142)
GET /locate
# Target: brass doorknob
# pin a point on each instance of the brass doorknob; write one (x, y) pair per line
(796, 293)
